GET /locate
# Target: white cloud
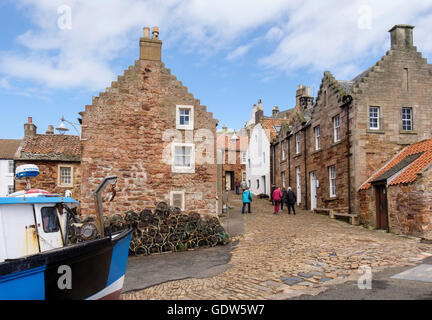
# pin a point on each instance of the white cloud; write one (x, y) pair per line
(307, 35)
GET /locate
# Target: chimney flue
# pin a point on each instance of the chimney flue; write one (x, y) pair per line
(150, 49)
(29, 128)
(401, 36)
(50, 130)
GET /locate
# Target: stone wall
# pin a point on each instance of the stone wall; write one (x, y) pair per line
(125, 134)
(48, 178)
(409, 207)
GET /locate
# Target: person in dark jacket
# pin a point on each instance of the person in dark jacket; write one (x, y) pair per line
(284, 197)
(290, 200)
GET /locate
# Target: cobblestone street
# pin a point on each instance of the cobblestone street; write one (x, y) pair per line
(283, 256)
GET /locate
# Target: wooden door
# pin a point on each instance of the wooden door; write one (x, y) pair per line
(381, 207)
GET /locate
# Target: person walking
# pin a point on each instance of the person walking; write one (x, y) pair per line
(277, 196)
(283, 200)
(291, 200)
(247, 199)
(237, 187)
(271, 193)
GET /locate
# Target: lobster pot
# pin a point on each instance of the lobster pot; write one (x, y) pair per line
(167, 229)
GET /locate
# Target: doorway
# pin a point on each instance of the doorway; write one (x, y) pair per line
(313, 185)
(264, 184)
(381, 206)
(229, 180)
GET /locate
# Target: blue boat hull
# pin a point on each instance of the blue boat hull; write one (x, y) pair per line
(89, 270)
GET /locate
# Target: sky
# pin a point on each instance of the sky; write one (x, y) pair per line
(56, 55)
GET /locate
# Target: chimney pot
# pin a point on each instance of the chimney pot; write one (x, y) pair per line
(155, 33)
(146, 32)
(30, 120)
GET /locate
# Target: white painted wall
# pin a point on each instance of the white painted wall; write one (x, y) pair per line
(259, 155)
(6, 178)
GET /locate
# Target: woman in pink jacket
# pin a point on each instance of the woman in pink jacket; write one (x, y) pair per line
(277, 196)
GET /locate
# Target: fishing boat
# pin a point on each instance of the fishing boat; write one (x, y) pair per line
(37, 262)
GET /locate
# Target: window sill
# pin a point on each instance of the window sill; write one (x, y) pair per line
(316, 151)
(65, 185)
(182, 170)
(407, 132)
(331, 199)
(297, 155)
(375, 131)
(336, 143)
(283, 161)
(179, 127)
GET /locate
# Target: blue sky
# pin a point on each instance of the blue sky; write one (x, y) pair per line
(228, 53)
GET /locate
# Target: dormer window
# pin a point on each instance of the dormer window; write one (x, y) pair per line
(184, 117)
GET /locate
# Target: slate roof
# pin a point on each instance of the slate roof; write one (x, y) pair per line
(8, 147)
(405, 166)
(50, 147)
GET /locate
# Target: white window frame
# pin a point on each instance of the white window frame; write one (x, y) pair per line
(283, 150)
(336, 128)
(297, 137)
(332, 180)
(244, 176)
(244, 157)
(59, 180)
(317, 131)
(283, 179)
(182, 193)
(182, 169)
(409, 120)
(377, 118)
(257, 184)
(189, 126)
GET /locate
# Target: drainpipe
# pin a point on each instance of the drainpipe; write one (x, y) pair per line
(289, 160)
(346, 103)
(305, 170)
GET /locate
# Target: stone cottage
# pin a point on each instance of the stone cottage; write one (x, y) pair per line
(57, 156)
(398, 197)
(355, 126)
(150, 132)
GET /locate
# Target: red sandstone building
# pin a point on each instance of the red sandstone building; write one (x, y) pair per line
(150, 132)
(353, 128)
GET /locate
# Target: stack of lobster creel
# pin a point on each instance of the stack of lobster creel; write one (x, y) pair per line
(168, 229)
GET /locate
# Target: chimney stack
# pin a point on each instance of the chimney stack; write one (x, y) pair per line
(259, 104)
(29, 128)
(401, 36)
(275, 111)
(151, 49)
(50, 130)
